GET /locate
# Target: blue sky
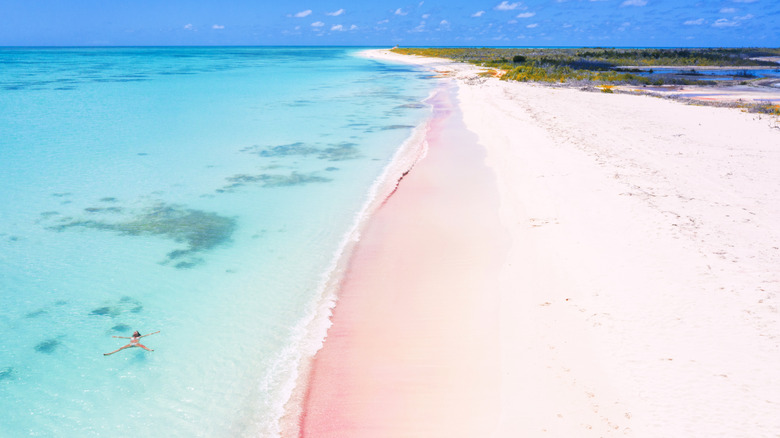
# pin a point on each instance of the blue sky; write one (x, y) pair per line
(633, 23)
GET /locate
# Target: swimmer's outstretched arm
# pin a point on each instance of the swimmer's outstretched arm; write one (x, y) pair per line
(148, 334)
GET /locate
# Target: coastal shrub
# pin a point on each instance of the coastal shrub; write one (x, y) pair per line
(538, 72)
(597, 64)
(607, 57)
(766, 108)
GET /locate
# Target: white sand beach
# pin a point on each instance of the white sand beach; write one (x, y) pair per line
(636, 259)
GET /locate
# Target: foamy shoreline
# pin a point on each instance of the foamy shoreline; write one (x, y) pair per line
(639, 295)
(312, 332)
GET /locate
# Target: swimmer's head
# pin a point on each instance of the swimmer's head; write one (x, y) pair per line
(136, 334)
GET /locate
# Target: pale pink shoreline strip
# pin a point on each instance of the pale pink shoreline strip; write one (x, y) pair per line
(413, 347)
(314, 329)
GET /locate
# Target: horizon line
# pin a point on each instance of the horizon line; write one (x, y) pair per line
(374, 46)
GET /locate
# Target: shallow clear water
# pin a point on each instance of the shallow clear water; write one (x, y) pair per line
(202, 192)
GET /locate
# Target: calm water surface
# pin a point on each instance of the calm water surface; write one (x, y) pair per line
(202, 192)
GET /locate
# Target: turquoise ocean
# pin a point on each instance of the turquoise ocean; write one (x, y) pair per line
(206, 193)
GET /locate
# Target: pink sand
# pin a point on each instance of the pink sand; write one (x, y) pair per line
(414, 341)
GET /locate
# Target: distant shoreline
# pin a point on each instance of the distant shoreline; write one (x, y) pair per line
(696, 67)
(753, 94)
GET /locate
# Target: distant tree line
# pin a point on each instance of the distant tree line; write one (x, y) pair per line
(596, 64)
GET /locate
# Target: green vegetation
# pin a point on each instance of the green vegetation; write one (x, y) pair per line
(544, 72)
(768, 108)
(595, 64)
(603, 59)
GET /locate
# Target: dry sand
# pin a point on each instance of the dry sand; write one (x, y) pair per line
(614, 272)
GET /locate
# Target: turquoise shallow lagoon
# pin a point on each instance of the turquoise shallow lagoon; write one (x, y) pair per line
(202, 192)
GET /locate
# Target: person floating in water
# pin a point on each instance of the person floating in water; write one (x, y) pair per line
(133, 342)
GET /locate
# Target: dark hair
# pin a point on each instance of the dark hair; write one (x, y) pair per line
(136, 333)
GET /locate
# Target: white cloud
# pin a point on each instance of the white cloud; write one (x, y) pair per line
(697, 22)
(531, 26)
(634, 3)
(317, 24)
(722, 22)
(302, 14)
(426, 16)
(217, 26)
(337, 27)
(526, 15)
(400, 12)
(189, 26)
(444, 23)
(335, 13)
(506, 6)
(353, 27)
(728, 11)
(478, 14)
